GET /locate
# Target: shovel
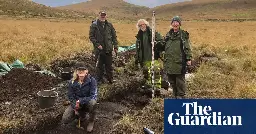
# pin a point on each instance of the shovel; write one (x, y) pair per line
(79, 124)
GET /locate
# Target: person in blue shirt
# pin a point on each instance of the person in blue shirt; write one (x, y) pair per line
(82, 94)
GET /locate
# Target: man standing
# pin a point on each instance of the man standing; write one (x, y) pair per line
(143, 43)
(177, 56)
(144, 49)
(103, 36)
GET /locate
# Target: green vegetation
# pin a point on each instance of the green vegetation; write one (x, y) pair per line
(26, 8)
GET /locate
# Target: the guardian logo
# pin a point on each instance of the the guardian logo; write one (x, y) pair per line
(202, 115)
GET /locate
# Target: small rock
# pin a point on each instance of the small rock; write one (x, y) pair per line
(8, 103)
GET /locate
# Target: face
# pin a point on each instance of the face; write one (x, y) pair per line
(102, 17)
(82, 73)
(142, 26)
(175, 25)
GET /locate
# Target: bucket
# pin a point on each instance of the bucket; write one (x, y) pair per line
(47, 98)
(66, 74)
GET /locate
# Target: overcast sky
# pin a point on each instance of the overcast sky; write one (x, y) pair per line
(148, 3)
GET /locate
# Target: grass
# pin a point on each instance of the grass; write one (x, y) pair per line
(30, 9)
(207, 9)
(233, 76)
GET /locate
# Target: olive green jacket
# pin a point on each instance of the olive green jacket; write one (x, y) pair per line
(103, 36)
(144, 46)
(177, 51)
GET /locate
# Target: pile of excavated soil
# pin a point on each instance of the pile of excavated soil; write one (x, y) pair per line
(20, 113)
(19, 101)
(21, 83)
(58, 65)
(108, 114)
(122, 97)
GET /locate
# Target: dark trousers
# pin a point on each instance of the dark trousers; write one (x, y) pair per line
(69, 114)
(178, 84)
(105, 59)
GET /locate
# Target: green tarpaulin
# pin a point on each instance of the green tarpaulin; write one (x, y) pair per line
(126, 48)
(5, 68)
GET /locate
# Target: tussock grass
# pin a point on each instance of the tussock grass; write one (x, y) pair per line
(150, 116)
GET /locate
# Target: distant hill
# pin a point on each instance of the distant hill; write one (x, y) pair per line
(207, 9)
(28, 8)
(118, 9)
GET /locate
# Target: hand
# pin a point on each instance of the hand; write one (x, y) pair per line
(77, 105)
(76, 112)
(115, 50)
(189, 63)
(99, 47)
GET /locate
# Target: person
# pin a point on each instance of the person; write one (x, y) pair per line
(143, 56)
(177, 57)
(144, 44)
(82, 94)
(102, 34)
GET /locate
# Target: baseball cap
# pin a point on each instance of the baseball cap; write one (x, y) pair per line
(81, 66)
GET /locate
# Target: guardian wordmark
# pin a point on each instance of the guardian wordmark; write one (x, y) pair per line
(202, 115)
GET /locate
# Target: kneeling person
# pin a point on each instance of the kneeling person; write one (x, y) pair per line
(82, 93)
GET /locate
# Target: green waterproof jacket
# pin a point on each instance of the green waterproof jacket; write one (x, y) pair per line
(104, 36)
(144, 46)
(177, 52)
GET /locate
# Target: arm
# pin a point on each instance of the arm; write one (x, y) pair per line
(159, 46)
(71, 95)
(92, 36)
(187, 47)
(114, 37)
(159, 42)
(93, 92)
(137, 51)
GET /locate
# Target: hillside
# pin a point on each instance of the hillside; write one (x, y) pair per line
(118, 9)
(28, 8)
(207, 9)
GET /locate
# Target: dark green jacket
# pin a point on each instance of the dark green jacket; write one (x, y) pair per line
(177, 52)
(103, 36)
(144, 47)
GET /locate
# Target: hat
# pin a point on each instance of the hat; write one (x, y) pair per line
(102, 13)
(81, 66)
(176, 18)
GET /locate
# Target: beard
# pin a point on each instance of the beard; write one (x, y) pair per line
(143, 29)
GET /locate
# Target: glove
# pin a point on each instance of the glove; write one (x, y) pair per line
(115, 49)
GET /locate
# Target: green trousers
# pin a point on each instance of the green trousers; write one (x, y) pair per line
(178, 84)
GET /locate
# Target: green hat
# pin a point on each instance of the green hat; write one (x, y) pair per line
(176, 18)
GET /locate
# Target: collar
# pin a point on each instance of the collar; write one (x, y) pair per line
(140, 32)
(98, 21)
(85, 81)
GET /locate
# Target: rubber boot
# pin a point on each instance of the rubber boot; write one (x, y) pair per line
(91, 122)
(90, 126)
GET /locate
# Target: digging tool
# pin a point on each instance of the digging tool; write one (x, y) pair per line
(79, 124)
(147, 131)
(152, 63)
(77, 114)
